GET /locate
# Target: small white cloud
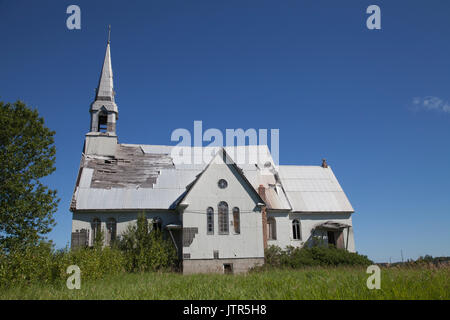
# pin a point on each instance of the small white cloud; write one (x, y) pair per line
(431, 103)
(446, 107)
(417, 101)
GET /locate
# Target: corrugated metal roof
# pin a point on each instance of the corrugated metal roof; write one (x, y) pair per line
(201, 156)
(123, 199)
(86, 177)
(175, 179)
(160, 184)
(276, 198)
(313, 189)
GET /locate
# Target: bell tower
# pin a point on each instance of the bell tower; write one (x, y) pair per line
(102, 138)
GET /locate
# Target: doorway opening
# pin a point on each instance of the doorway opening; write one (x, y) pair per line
(331, 238)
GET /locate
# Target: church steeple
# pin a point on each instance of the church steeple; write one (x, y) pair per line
(104, 111)
(105, 89)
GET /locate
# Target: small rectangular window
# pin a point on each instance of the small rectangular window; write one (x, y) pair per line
(216, 254)
(228, 268)
(271, 229)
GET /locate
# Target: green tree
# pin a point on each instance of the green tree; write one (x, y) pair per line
(27, 154)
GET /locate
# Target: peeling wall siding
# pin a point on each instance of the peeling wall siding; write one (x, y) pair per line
(188, 236)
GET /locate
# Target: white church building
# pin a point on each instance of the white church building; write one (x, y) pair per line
(220, 215)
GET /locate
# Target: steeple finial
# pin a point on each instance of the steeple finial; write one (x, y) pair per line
(109, 34)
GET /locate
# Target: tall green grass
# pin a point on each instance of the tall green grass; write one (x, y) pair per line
(425, 282)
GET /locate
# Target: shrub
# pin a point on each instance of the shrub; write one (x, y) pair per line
(29, 264)
(145, 249)
(314, 256)
(95, 263)
(41, 263)
(140, 249)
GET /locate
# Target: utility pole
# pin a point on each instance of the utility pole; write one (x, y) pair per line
(401, 251)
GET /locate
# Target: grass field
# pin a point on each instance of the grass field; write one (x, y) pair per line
(308, 283)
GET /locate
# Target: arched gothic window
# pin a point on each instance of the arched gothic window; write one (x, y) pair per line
(102, 121)
(296, 232)
(223, 217)
(236, 220)
(210, 220)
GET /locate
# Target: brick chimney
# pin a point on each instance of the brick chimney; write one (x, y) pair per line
(262, 194)
(324, 163)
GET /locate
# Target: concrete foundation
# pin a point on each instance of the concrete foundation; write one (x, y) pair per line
(241, 265)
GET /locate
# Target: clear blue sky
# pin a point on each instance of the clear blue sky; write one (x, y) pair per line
(374, 103)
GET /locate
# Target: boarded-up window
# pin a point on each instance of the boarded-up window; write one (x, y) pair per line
(271, 229)
(188, 236)
(210, 220)
(236, 220)
(186, 255)
(80, 238)
(296, 232)
(223, 218)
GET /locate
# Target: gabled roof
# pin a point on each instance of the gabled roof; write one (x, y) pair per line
(227, 160)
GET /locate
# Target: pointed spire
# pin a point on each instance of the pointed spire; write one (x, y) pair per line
(105, 89)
